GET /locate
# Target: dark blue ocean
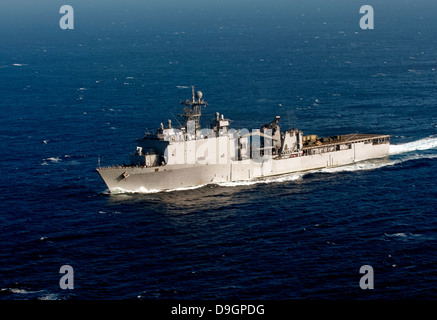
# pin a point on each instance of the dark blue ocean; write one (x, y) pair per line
(71, 97)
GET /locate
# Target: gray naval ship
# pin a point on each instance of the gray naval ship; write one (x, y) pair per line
(190, 156)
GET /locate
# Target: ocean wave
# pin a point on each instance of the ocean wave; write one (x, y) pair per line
(276, 179)
(140, 190)
(403, 235)
(31, 294)
(18, 291)
(357, 166)
(422, 144)
(146, 191)
(378, 75)
(185, 188)
(50, 296)
(374, 164)
(46, 161)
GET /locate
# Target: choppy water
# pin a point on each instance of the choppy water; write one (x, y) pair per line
(70, 97)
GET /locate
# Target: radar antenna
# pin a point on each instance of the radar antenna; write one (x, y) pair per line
(193, 108)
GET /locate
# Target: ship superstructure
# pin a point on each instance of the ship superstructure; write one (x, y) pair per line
(190, 156)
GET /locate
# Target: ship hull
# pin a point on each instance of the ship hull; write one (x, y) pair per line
(173, 176)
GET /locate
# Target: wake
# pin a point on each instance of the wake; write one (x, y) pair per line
(422, 144)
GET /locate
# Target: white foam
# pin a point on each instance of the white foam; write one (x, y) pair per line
(422, 144)
(140, 190)
(145, 190)
(358, 166)
(239, 183)
(53, 159)
(19, 291)
(50, 296)
(185, 188)
(266, 180)
(374, 164)
(403, 235)
(380, 74)
(400, 234)
(281, 178)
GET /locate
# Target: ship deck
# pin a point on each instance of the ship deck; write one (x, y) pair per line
(352, 138)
